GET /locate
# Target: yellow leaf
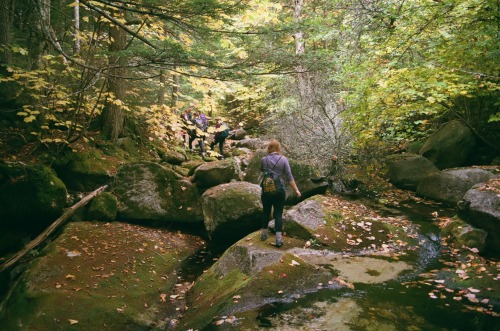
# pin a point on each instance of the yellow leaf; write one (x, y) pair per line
(72, 321)
(29, 119)
(242, 54)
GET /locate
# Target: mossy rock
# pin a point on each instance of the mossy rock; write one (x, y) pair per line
(224, 291)
(459, 233)
(314, 219)
(192, 165)
(103, 207)
(85, 171)
(231, 211)
(31, 196)
(173, 156)
(219, 172)
(98, 276)
(150, 191)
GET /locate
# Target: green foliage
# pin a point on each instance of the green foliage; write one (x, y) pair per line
(415, 73)
(386, 70)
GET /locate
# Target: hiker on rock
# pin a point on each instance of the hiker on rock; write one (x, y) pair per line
(201, 123)
(275, 169)
(221, 133)
(187, 123)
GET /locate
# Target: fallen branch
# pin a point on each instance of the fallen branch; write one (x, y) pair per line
(45, 234)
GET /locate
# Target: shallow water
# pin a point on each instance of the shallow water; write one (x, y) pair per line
(385, 306)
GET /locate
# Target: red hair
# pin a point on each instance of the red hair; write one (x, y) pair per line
(274, 146)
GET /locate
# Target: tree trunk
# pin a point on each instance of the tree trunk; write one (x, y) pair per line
(176, 80)
(76, 45)
(113, 116)
(162, 88)
(38, 45)
(5, 38)
(303, 79)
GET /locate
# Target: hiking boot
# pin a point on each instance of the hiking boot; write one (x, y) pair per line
(279, 243)
(263, 236)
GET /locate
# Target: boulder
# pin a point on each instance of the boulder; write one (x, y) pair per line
(449, 147)
(30, 196)
(465, 234)
(97, 276)
(313, 220)
(407, 170)
(253, 273)
(231, 211)
(250, 143)
(481, 207)
(172, 156)
(248, 275)
(238, 134)
(215, 173)
(85, 171)
(192, 165)
(103, 207)
(449, 186)
(307, 177)
(149, 191)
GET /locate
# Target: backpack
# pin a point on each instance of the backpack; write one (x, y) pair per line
(225, 133)
(271, 182)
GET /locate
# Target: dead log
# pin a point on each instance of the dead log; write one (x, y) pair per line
(45, 234)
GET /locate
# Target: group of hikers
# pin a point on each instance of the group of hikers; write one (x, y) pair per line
(195, 125)
(275, 168)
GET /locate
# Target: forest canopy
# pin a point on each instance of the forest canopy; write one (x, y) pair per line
(327, 77)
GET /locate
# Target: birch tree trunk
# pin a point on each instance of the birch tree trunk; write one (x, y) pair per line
(303, 78)
(76, 45)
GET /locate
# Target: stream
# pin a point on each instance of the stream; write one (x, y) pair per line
(398, 304)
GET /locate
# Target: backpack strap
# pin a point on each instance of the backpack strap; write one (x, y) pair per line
(271, 169)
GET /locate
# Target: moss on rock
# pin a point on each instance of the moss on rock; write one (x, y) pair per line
(221, 291)
(99, 276)
(85, 171)
(103, 207)
(31, 196)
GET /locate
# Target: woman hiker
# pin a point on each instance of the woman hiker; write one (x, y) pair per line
(278, 164)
